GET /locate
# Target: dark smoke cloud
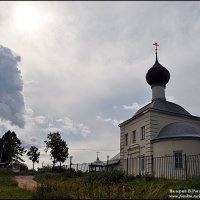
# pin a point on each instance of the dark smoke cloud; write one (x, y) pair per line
(11, 85)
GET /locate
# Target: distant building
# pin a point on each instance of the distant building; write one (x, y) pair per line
(97, 165)
(110, 165)
(159, 129)
(113, 163)
(15, 165)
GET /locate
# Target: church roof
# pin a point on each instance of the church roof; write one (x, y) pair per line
(178, 130)
(160, 106)
(165, 106)
(97, 162)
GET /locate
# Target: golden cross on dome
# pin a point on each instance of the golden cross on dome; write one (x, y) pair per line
(156, 44)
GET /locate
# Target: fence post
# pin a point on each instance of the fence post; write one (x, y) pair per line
(91, 168)
(77, 166)
(127, 166)
(107, 161)
(152, 165)
(70, 167)
(185, 167)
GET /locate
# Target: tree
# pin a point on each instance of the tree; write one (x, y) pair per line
(59, 149)
(33, 155)
(10, 147)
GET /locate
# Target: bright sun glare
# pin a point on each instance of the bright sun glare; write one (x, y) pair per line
(27, 18)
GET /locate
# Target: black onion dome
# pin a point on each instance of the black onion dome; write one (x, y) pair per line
(157, 75)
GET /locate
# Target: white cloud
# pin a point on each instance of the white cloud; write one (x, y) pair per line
(133, 106)
(171, 98)
(40, 119)
(69, 125)
(84, 130)
(114, 122)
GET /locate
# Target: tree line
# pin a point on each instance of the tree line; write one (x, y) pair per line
(11, 149)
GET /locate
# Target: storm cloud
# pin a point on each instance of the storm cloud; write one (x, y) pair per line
(11, 85)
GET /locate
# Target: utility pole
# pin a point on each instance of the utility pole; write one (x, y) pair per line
(97, 155)
(107, 161)
(70, 166)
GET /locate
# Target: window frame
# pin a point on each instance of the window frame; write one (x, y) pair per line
(142, 133)
(134, 137)
(178, 159)
(126, 139)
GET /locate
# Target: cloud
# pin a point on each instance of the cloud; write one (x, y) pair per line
(133, 106)
(115, 122)
(137, 106)
(42, 125)
(171, 98)
(69, 125)
(11, 98)
(40, 119)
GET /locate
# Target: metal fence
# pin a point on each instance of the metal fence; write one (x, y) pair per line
(171, 167)
(79, 167)
(178, 167)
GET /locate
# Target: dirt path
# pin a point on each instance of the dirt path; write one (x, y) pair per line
(26, 182)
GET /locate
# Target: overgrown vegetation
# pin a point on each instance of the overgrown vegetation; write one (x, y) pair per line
(108, 185)
(96, 185)
(9, 188)
(105, 177)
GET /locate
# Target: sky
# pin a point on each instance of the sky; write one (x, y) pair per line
(79, 68)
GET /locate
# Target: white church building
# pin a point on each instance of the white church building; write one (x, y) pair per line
(162, 138)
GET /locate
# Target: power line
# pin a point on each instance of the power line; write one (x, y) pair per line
(40, 146)
(96, 149)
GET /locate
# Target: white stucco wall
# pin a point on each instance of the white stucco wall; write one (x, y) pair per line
(166, 148)
(139, 147)
(164, 159)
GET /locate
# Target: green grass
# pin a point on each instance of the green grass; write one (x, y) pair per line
(106, 185)
(157, 188)
(9, 188)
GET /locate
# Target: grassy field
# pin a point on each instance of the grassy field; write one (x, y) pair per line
(104, 185)
(9, 188)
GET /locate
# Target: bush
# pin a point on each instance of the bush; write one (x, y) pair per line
(149, 178)
(58, 169)
(6, 172)
(44, 169)
(47, 176)
(51, 189)
(138, 176)
(105, 177)
(31, 172)
(23, 167)
(130, 178)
